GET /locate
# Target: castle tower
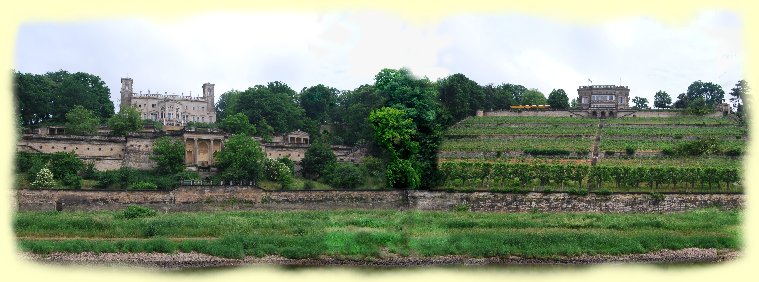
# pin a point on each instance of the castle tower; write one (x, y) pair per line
(126, 92)
(208, 94)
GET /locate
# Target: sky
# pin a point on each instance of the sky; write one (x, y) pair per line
(237, 50)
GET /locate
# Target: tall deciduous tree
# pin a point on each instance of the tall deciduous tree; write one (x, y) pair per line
(319, 102)
(240, 159)
(460, 96)
(497, 97)
(352, 115)
(712, 94)
(640, 103)
(737, 95)
(317, 159)
(558, 99)
(50, 96)
(533, 97)
(662, 100)
(126, 121)
(275, 103)
(237, 124)
(168, 154)
(81, 121)
(418, 98)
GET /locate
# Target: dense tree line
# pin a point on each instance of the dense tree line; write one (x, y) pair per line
(47, 98)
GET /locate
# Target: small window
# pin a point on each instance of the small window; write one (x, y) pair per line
(53, 147)
(64, 148)
(40, 147)
(153, 105)
(88, 148)
(111, 149)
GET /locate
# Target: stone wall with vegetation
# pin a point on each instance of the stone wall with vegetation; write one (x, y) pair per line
(249, 198)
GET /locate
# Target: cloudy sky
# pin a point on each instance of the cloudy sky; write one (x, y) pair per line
(237, 50)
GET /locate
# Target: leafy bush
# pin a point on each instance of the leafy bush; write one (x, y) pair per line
(89, 171)
(577, 191)
(374, 167)
(316, 160)
(288, 162)
(135, 211)
(308, 185)
(342, 175)
(44, 179)
(547, 152)
(72, 180)
(462, 207)
(144, 185)
(630, 150)
(603, 192)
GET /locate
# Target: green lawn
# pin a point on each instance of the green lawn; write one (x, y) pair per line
(361, 234)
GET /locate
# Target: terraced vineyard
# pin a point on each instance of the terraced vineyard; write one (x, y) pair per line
(520, 154)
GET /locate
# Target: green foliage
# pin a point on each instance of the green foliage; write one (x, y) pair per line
(698, 106)
(352, 115)
(276, 103)
(402, 174)
(89, 171)
(265, 130)
(240, 159)
(144, 185)
(72, 180)
(317, 159)
(168, 154)
(640, 103)
(547, 152)
(558, 99)
(533, 97)
(460, 96)
(630, 150)
(237, 124)
(135, 211)
(374, 167)
(319, 102)
(662, 100)
(49, 97)
(126, 121)
(394, 131)
(698, 147)
(288, 162)
(276, 170)
(81, 121)
(344, 176)
(461, 207)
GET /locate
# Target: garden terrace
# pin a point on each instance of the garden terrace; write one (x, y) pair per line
(517, 144)
(620, 145)
(732, 132)
(682, 120)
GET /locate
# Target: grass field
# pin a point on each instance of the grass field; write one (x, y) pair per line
(361, 234)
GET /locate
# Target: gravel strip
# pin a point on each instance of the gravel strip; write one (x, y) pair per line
(197, 260)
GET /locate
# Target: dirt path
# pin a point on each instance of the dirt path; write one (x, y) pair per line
(196, 260)
(596, 140)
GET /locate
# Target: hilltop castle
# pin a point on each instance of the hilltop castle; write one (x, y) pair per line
(170, 110)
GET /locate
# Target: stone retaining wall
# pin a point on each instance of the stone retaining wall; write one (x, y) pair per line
(250, 198)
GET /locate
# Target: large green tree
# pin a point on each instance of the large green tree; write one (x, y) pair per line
(319, 102)
(417, 97)
(168, 154)
(351, 121)
(48, 97)
(533, 97)
(712, 94)
(662, 100)
(126, 121)
(640, 103)
(497, 97)
(240, 159)
(460, 96)
(558, 99)
(81, 121)
(396, 132)
(237, 124)
(276, 103)
(317, 159)
(738, 94)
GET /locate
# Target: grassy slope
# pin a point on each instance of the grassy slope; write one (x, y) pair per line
(298, 234)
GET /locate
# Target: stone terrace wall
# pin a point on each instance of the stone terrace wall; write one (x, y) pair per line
(249, 198)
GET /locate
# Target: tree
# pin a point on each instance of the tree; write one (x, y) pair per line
(319, 102)
(712, 93)
(558, 99)
(533, 97)
(240, 159)
(126, 121)
(417, 97)
(352, 115)
(316, 160)
(81, 121)
(497, 97)
(698, 106)
(237, 124)
(738, 94)
(394, 131)
(640, 103)
(227, 104)
(50, 96)
(460, 96)
(575, 103)
(168, 154)
(662, 100)
(275, 103)
(65, 165)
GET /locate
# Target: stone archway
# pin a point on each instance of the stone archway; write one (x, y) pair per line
(611, 114)
(595, 114)
(603, 114)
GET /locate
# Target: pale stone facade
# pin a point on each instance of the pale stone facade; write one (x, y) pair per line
(170, 110)
(604, 100)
